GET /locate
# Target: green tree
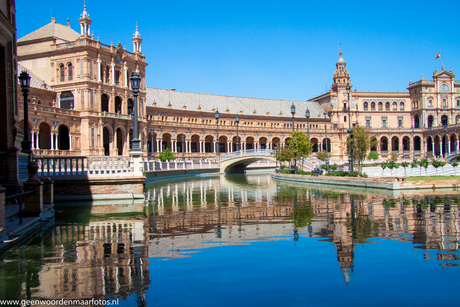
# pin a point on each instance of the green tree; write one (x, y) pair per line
(413, 165)
(283, 154)
(455, 164)
(384, 165)
(321, 155)
(436, 164)
(166, 155)
(405, 164)
(424, 163)
(300, 145)
(392, 165)
(362, 142)
(373, 155)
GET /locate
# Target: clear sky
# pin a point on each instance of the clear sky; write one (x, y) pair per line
(270, 49)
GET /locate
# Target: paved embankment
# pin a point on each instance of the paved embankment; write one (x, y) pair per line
(370, 183)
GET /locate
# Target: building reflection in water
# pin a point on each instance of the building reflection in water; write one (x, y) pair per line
(103, 250)
(104, 257)
(226, 211)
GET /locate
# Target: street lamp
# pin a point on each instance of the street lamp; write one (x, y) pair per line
(293, 113)
(152, 131)
(217, 125)
(24, 78)
(325, 129)
(237, 120)
(350, 131)
(445, 141)
(135, 84)
(307, 115)
(183, 147)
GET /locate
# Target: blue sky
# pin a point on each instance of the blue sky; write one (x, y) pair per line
(270, 49)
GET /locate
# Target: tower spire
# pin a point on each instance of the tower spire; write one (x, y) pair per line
(85, 22)
(137, 40)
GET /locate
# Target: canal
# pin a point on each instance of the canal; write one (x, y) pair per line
(244, 240)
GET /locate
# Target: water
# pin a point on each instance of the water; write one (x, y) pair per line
(246, 241)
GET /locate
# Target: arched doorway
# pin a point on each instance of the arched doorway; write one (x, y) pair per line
(437, 145)
(416, 121)
(63, 140)
(118, 105)
(120, 142)
(44, 137)
(430, 121)
(263, 143)
(195, 143)
(276, 142)
(417, 144)
(314, 141)
(453, 142)
(104, 103)
(395, 144)
(223, 144)
(384, 145)
(327, 144)
(444, 120)
(429, 145)
(106, 141)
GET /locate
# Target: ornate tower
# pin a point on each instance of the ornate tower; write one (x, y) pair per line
(341, 76)
(85, 23)
(137, 41)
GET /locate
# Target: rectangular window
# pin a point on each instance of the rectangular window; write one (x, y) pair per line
(368, 123)
(400, 123)
(430, 103)
(384, 122)
(458, 103)
(92, 137)
(91, 97)
(117, 77)
(82, 93)
(344, 119)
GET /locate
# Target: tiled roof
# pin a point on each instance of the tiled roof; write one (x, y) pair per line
(52, 29)
(207, 102)
(35, 82)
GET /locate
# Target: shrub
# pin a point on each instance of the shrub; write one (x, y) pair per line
(334, 167)
(286, 171)
(373, 155)
(364, 175)
(323, 166)
(353, 174)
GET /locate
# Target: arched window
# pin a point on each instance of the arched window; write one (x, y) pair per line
(373, 106)
(365, 106)
(62, 72)
(380, 106)
(107, 74)
(69, 71)
(395, 106)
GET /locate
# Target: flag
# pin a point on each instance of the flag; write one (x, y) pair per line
(438, 55)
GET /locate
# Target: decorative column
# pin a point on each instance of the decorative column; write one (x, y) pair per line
(126, 76)
(158, 145)
(52, 140)
(113, 73)
(70, 141)
(33, 139)
(201, 144)
(38, 140)
(99, 72)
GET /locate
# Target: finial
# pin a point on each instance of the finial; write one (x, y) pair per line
(68, 22)
(340, 53)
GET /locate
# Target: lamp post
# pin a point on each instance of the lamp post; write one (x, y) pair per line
(293, 113)
(445, 142)
(350, 131)
(217, 130)
(135, 84)
(325, 130)
(152, 131)
(183, 148)
(237, 120)
(307, 115)
(24, 78)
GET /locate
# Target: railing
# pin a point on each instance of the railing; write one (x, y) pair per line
(83, 166)
(56, 152)
(118, 115)
(245, 153)
(150, 165)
